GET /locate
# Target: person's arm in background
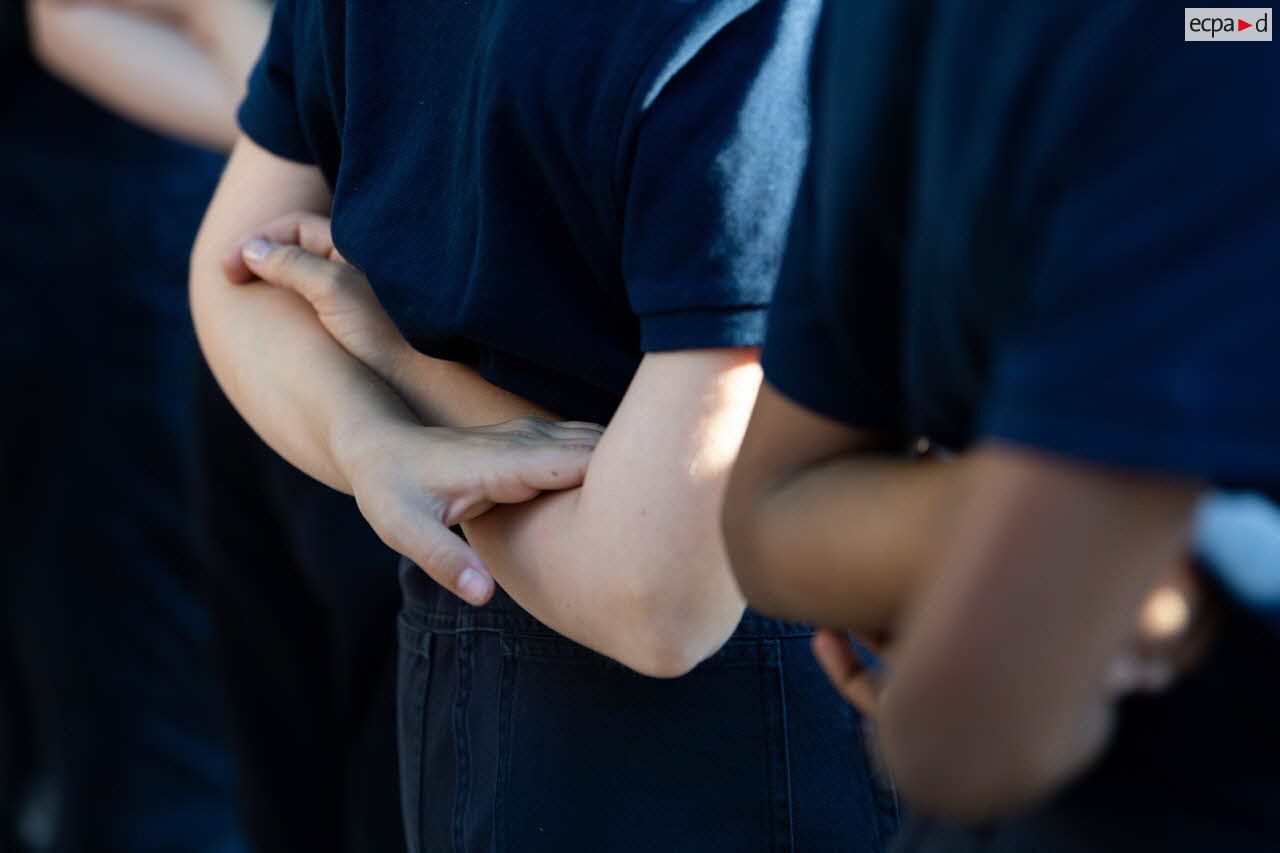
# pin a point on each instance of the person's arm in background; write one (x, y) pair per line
(335, 419)
(178, 68)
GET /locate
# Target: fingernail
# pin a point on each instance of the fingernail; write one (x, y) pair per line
(473, 586)
(255, 250)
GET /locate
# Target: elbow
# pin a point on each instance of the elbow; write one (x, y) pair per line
(662, 657)
(671, 630)
(198, 282)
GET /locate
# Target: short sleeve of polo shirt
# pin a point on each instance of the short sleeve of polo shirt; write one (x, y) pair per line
(834, 340)
(1150, 337)
(269, 113)
(711, 163)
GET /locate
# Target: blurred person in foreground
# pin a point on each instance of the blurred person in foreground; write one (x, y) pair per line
(110, 702)
(1035, 238)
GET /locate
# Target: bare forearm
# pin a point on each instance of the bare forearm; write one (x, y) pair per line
(284, 373)
(823, 525)
(150, 73)
(452, 394)
(632, 564)
(558, 556)
(843, 543)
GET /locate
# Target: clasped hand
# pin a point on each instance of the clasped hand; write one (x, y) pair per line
(412, 481)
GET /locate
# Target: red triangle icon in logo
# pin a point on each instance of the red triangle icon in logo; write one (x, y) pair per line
(1244, 25)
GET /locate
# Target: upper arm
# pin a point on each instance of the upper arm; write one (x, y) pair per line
(256, 187)
(652, 494)
(998, 689)
(668, 449)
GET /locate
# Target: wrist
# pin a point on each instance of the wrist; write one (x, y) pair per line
(402, 362)
(359, 436)
(423, 383)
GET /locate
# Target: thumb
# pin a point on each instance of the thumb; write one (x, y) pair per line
(341, 297)
(294, 268)
(845, 668)
(449, 561)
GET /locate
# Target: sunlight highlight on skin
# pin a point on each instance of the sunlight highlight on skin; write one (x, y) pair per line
(1166, 613)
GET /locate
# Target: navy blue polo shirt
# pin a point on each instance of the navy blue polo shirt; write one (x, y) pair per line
(1054, 224)
(548, 190)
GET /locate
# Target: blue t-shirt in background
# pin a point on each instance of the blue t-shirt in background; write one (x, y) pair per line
(1055, 224)
(548, 190)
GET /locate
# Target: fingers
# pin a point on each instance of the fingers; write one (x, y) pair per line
(846, 670)
(506, 474)
(539, 430)
(412, 517)
(341, 297)
(313, 277)
(331, 287)
(553, 467)
(309, 231)
(450, 562)
(578, 425)
(539, 456)
(836, 657)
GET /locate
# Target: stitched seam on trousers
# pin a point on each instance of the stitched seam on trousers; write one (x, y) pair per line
(777, 777)
(786, 747)
(506, 739)
(462, 749)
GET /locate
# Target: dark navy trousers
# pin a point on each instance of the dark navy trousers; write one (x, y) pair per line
(111, 724)
(304, 598)
(514, 739)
